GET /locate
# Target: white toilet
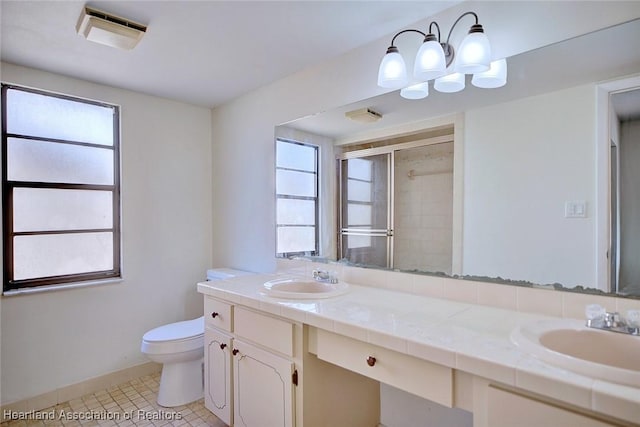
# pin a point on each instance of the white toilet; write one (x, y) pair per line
(180, 348)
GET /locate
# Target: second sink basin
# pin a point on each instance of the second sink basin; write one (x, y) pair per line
(295, 288)
(570, 345)
(606, 348)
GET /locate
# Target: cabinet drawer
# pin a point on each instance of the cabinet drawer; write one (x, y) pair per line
(218, 314)
(276, 334)
(408, 373)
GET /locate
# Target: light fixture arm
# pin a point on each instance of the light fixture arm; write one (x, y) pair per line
(449, 52)
(393, 40)
(456, 23)
(437, 26)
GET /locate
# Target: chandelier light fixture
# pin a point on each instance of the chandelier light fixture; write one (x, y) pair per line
(440, 62)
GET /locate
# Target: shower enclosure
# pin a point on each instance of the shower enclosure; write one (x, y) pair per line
(396, 205)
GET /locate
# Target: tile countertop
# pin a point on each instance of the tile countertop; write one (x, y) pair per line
(467, 337)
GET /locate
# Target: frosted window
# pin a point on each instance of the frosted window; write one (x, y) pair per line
(359, 191)
(33, 114)
(296, 239)
(41, 209)
(359, 215)
(36, 161)
(360, 169)
(296, 197)
(59, 254)
(62, 189)
(295, 156)
(294, 211)
(354, 242)
(366, 250)
(295, 183)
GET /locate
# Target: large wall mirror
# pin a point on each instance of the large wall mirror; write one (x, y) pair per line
(532, 182)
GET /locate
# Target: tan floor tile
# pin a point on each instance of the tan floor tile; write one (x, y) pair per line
(138, 394)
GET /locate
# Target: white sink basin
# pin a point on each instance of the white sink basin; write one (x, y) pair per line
(295, 288)
(570, 345)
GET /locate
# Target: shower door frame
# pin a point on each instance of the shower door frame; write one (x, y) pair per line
(388, 232)
(605, 267)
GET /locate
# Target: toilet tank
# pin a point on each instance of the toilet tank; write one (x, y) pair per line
(222, 273)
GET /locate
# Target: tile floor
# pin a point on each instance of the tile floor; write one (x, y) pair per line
(129, 404)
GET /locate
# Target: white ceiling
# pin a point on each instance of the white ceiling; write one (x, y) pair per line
(200, 52)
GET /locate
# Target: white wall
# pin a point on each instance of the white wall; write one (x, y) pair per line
(523, 161)
(53, 339)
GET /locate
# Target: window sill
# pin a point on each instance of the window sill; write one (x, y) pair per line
(61, 287)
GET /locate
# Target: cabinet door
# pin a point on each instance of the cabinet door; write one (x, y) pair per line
(217, 378)
(263, 388)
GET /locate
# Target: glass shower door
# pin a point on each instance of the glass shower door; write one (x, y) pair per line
(366, 236)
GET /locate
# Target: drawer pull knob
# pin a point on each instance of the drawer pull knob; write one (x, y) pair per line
(223, 346)
(235, 351)
(371, 360)
(214, 314)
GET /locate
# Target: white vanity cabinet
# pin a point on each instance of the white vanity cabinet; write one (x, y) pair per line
(249, 369)
(218, 346)
(338, 368)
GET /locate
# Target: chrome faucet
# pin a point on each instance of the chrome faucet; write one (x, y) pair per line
(599, 318)
(325, 276)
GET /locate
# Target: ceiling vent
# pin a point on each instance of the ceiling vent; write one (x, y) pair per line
(110, 30)
(363, 115)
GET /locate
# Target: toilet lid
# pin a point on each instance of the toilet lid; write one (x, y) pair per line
(176, 331)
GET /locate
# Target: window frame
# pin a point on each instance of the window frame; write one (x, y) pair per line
(8, 233)
(315, 199)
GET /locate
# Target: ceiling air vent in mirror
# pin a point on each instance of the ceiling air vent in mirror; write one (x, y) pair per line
(363, 115)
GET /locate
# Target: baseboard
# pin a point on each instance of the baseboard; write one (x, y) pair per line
(74, 391)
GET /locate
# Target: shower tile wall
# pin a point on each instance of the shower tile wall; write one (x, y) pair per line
(423, 215)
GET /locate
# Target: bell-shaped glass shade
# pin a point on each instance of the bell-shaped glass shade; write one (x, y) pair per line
(450, 83)
(495, 77)
(392, 73)
(417, 91)
(474, 54)
(430, 62)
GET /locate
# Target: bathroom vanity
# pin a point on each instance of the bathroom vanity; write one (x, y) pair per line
(258, 372)
(319, 362)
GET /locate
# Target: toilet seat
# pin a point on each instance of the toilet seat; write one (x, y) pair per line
(175, 337)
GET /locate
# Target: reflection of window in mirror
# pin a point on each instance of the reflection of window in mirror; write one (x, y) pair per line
(296, 198)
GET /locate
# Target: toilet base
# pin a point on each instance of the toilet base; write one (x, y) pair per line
(181, 383)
